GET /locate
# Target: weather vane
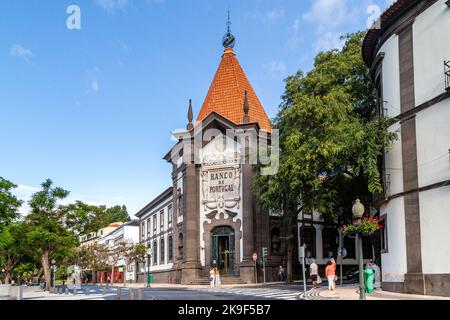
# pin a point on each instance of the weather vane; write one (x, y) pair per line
(228, 40)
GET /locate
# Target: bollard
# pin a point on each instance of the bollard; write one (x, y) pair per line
(60, 290)
(19, 293)
(104, 291)
(130, 294)
(74, 291)
(119, 293)
(141, 294)
(87, 291)
(67, 291)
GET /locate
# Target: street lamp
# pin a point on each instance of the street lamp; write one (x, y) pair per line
(148, 262)
(358, 211)
(53, 269)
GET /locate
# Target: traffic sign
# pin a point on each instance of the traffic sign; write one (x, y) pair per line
(343, 252)
(264, 252)
(255, 256)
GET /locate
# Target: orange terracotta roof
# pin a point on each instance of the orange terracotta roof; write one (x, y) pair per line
(227, 92)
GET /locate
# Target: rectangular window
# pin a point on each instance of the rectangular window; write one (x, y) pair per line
(163, 251)
(155, 253)
(384, 235)
(161, 219)
(180, 203)
(148, 227)
(154, 224)
(170, 248)
(169, 216)
(143, 231)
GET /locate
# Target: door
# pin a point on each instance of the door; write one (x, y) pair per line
(222, 250)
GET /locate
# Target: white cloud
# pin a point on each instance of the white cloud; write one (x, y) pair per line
(295, 39)
(18, 51)
(275, 68)
(272, 16)
(94, 86)
(112, 5)
(331, 18)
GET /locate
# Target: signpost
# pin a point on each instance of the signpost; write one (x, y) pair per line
(255, 257)
(301, 258)
(264, 255)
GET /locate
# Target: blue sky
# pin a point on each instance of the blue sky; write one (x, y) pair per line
(93, 109)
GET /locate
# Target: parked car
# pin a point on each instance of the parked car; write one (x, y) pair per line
(353, 274)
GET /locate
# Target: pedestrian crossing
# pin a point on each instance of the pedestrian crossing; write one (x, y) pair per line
(264, 293)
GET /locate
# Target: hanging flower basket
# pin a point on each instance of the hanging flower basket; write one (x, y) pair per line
(366, 227)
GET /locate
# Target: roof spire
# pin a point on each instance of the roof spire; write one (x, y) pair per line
(246, 109)
(190, 115)
(228, 40)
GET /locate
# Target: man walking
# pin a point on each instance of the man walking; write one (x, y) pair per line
(313, 272)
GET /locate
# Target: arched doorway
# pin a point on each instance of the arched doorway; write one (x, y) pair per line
(222, 250)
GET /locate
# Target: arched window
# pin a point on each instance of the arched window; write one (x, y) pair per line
(170, 248)
(155, 253)
(329, 241)
(308, 237)
(162, 250)
(275, 241)
(180, 245)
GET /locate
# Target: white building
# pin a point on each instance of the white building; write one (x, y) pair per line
(409, 56)
(156, 226)
(129, 233)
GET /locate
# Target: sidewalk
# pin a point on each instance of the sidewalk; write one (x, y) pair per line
(352, 293)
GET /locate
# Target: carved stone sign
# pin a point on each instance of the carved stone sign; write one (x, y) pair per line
(221, 187)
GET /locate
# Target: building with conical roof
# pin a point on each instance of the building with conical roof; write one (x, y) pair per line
(209, 217)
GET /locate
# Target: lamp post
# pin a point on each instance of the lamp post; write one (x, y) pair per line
(148, 263)
(358, 211)
(53, 269)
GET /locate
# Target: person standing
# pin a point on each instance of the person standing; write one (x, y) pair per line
(313, 273)
(217, 280)
(212, 277)
(330, 273)
(281, 274)
(333, 263)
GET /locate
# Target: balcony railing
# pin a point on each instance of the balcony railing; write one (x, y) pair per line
(447, 75)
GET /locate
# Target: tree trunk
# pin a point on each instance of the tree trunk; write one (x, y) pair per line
(112, 275)
(290, 252)
(7, 278)
(46, 269)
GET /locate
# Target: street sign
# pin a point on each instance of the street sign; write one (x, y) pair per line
(301, 253)
(343, 252)
(255, 256)
(264, 252)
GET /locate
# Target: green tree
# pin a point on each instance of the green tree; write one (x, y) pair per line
(331, 139)
(49, 234)
(9, 204)
(13, 248)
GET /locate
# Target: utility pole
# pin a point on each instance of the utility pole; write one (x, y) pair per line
(301, 257)
(264, 255)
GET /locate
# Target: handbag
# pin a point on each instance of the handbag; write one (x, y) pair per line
(319, 279)
(335, 277)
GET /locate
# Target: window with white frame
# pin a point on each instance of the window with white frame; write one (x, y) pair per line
(169, 216)
(154, 224)
(161, 219)
(383, 234)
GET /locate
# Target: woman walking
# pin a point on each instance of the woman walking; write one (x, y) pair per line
(333, 263)
(330, 273)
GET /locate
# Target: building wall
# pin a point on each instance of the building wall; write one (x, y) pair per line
(430, 51)
(394, 164)
(434, 223)
(433, 143)
(391, 76)
(393, 262)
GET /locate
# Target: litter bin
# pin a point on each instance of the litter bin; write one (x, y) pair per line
(368, 280)
(150, 278)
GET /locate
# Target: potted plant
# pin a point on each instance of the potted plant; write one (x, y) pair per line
(366, 227)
